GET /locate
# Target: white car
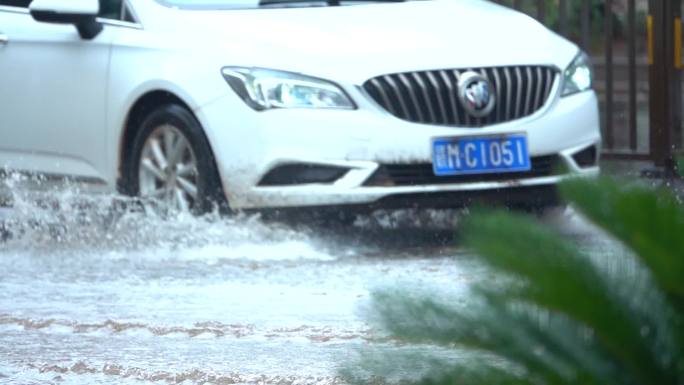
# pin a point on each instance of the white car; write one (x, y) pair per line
(287, 103)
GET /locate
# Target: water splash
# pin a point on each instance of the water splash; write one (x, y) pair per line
(66, 219)
(63, 218)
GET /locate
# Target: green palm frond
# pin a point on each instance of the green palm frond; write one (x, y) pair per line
(557, 315)
(652, 224)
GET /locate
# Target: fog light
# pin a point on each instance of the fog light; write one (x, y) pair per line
(294, 174)
(587, 157)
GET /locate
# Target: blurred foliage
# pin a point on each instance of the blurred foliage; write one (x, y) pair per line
(597, 14)
(554, 314)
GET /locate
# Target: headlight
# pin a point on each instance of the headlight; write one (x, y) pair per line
(263, 89)
(578, 76)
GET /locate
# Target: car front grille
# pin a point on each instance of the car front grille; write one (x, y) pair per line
(416, 174)
(430, 97)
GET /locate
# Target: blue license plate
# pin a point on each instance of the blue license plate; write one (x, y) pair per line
(480, 155)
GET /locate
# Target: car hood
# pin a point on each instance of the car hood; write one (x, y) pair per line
(354, 43)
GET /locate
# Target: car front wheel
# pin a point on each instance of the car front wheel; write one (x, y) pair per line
(171, 164)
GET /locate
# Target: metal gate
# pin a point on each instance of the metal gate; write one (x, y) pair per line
(637, 52)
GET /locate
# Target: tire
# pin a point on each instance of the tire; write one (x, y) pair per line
(189, 180)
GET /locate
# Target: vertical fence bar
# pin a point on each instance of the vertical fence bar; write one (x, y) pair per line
(676, 80)
(658, 83)
(632, 70)
(541, 10)
(563, 17)
(608, 33)
(665, 88)
(517, 4)
(678, 43)
(586, 25)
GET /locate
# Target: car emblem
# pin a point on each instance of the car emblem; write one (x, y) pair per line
(476, 94)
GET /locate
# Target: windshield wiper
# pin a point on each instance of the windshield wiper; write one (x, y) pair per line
(328, 2)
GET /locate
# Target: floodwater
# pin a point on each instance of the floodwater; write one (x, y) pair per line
(89, 295)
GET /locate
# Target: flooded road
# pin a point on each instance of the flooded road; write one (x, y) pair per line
(85, 299)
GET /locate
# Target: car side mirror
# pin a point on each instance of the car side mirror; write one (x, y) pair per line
(81, 13)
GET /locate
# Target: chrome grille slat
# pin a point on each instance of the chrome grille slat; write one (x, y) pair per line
(426, 96)
(412, 95)
(431, 97)
(440, 98)
(499, 95)
(400, 96)
(509, 92)
(451, 89)
(549, 83)
(381, 90)
(528, 93)
(519, 97)
(540, 83)
(467, 117)
(421, 95)
(484, 120)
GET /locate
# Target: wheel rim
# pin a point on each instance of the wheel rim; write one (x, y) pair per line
(168, 169)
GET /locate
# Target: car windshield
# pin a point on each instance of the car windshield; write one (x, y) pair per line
(246, 4)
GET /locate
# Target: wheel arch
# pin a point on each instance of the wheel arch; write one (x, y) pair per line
(137, 112)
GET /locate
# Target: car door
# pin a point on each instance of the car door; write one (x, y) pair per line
(52, 96)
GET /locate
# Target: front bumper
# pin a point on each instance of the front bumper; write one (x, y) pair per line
(248, 145)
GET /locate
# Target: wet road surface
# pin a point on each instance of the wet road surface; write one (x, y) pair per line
(89, 300)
